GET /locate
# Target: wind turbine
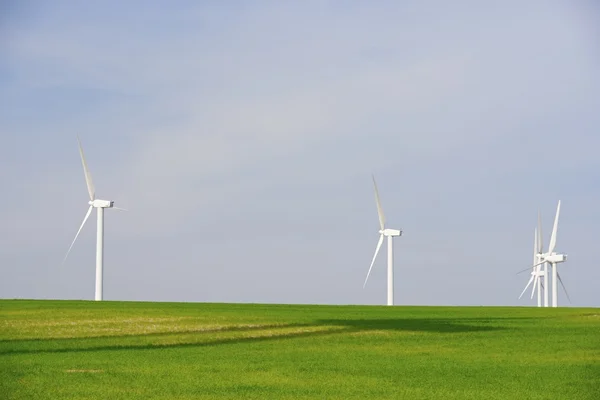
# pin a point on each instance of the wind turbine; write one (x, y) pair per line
(99, 205)
(536, 272)
(553, 259)
(390, 233)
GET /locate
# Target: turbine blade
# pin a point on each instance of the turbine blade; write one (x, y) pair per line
(529, 268)
(87, 215)
(379, 209)
(526, 269)
(374, 257)
(535, 281)
(563, 286)
(552, 244)
(86, 171)
(535, 245)
(119, 208)
(540, 242)
(528, 283)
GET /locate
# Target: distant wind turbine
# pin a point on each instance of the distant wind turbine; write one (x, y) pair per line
(553, 259)
(390, 233)
(536, 272)
(99, 205)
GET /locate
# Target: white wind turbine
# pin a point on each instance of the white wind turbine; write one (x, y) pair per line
(99, 205)
(390, 233)
(553, 259)
(536, 272)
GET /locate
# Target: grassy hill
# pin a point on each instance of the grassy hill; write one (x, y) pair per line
(137, 350)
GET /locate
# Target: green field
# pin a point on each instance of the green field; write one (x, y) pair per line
(136, 350)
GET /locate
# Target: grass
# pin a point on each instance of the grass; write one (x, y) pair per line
(136, 350)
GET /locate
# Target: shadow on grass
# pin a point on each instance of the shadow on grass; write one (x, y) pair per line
(215, 329)
(437, 325)
(257, 333)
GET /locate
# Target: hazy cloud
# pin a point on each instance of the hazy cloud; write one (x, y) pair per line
(242, 140)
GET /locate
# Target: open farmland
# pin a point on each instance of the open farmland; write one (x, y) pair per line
(138, 350)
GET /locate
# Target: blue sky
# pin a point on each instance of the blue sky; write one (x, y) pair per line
(242, 137)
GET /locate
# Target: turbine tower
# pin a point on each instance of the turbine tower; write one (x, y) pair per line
(389, 233)
(99, 205)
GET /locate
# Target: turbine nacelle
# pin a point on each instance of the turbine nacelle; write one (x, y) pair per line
(97, 203)
(101, 203)
(390, 232)
(555, 258)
